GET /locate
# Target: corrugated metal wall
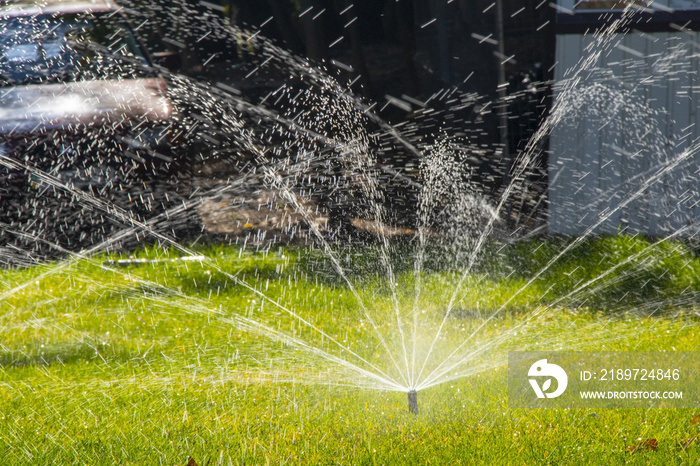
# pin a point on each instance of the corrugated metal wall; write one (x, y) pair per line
(619, 157)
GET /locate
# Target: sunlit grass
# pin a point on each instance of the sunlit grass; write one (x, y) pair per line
(140, 364)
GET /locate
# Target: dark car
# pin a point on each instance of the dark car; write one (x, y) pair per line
(84, 119)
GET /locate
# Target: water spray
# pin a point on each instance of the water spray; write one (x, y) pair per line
(413, 402)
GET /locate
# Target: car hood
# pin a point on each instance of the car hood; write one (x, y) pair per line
(26, 109)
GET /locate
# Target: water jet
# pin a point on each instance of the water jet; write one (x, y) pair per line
(314, 134)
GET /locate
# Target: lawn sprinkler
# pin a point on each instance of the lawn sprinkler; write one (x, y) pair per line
(413, 402)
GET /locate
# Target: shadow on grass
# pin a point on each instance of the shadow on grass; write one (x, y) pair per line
(37, 355)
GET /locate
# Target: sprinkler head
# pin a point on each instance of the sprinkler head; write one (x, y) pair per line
(413, 402)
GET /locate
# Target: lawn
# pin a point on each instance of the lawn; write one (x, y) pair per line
(156, 362)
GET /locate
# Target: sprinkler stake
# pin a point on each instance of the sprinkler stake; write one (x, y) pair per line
(413, 402)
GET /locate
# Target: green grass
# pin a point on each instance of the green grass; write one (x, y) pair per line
(629, 271)
(144, 364)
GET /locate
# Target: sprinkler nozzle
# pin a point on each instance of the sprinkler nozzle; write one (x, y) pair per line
(413, 402)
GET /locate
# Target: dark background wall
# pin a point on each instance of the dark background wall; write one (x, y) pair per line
(411, 47)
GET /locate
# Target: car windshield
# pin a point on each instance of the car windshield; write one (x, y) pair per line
(61, 48)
